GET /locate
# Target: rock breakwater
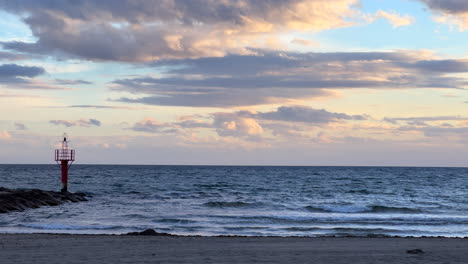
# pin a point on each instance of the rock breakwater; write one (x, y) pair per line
(22, 199)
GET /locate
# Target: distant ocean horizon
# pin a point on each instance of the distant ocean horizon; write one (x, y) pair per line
(247, 200)
(235, 165)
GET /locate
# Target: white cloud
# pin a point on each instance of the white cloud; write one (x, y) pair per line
(227, 124)
(5, 135)
(395, 19)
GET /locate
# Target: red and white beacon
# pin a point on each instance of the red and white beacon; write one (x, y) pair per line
(64, 158)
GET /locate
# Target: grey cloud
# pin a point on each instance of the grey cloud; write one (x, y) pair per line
(223, 97)
(446, 125)
(62, 122)
(285, 121)
(140, 11)
(20, 77)
(93, 106)
(444, 66)
(272, 61)
(452, 6)
(152, 126)
(82, 122)
(101, 107)
(155, 127)
(98, 107)
(236, 80)
(417, 123)
(14, 71)
(11, 56)
(307, 115)
(259, 82)
(454, 12)
(267, 61)
(421, 120)
(71, 82)
(193, 124)
(142, 29)
(94, 122)
(442, 131)
(20, 126)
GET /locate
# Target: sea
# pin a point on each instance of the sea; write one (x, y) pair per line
(246, 200)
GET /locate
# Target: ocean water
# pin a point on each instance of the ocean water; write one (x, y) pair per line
(247, 200)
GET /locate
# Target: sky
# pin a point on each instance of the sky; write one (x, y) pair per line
(241, 82)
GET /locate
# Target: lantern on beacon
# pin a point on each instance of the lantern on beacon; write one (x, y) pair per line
(64, 158)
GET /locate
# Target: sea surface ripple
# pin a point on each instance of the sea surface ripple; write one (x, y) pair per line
(247, 200)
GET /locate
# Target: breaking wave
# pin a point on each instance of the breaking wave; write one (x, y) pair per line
(228, 204)
(362, 209)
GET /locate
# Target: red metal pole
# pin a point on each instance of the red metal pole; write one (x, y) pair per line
(64, 165)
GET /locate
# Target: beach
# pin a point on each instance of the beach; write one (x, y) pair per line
(223, 214)
(54, 248)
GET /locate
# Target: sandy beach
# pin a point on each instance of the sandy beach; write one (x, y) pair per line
(50, 248)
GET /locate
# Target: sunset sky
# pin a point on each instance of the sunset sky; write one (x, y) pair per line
(248, 82)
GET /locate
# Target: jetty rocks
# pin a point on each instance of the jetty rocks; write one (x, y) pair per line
(22, 199)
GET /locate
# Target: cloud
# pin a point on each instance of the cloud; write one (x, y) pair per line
(14, 71)
(20, 126)
(285, 121)
(454, 6)
(144, 30)
(441, 132)
(454, 12)
(275, 77)
(12, 56)
(150, 125)
(305, 42)
(447, 66)
(71, 82)
(4, 135)
(422, 120)
(82, 123)
(232, 124)
(101, 107)
(445, 128)
(394, 18)
(307, 115)
(15, 76)
(193, 124)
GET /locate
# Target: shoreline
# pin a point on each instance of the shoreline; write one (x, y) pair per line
(70, 248)
(370, 236)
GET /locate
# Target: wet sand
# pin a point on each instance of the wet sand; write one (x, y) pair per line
(49, 248)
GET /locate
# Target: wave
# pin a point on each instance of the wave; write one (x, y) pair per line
(240, 228)
(68, 227)
(369, 230)
(175, 221)
(362, 209)
(228, 204)
(362, 191)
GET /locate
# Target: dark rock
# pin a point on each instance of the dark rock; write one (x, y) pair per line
(22, 199)
(415, 251)
(148, 232)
